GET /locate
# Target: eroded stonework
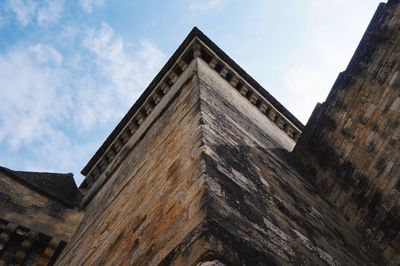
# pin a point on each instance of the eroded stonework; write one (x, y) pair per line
(201, 172)
(36, 218)
(351, 143)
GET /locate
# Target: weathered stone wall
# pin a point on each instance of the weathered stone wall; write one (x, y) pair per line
(351, 142)
(200, 170)
(209, 180)
(260, 207)
(152, 199)
(33, 227)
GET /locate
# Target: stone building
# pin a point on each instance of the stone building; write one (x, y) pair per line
(39, 213)
(207, 168)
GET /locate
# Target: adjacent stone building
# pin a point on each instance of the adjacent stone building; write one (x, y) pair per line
(357, 130)
(39, 213)
(207, 168)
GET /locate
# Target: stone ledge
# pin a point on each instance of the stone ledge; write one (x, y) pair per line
(196, 48)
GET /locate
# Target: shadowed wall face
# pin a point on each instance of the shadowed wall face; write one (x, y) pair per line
(352, 141)
(261, 210)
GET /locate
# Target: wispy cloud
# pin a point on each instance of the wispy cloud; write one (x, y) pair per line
(43, 54)
(49, 12)
(52, 99)
(32, 95)
(207, 5)
(3, 19)
(88, 5)
(40, 12)
(128, 72)
(23, 10)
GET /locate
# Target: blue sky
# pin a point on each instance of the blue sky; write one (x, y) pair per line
(69, 70)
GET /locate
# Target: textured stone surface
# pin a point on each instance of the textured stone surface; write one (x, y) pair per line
(352, 141)
(257, 195)
(226, 191)
(33, 227)
(57, 186)
(200, 172)
(153, 197)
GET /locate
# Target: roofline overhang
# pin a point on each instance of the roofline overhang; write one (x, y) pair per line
(195, 42)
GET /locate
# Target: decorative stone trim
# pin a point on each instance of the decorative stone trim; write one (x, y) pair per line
(272, 115)
(253, 99)
(182, 64)
(224, 73)
(251, 94)
(138, 119)
(244, 90)
(263, 108)
(196, 49)
(10, 229)
(25, 246)
(49, 252)
(234, 82)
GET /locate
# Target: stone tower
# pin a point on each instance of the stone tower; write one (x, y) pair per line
(207, 168)
(200, 171)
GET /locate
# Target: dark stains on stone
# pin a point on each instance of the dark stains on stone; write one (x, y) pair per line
(60, 187)
(329, 123)
(55, 209)
(17, 207)
(139, 222)
(374, 204)
(228, 245)
(248, 254)
(380, 165)
(4, 198)
(235, 195)
(184, 245)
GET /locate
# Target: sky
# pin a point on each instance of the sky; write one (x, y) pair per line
(70, 69)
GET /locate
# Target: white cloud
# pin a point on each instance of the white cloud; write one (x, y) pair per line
(44, 54)
(3, 18)
(24, 10)
(41, 12)
(207, 5)
(49, 12)
(150, 55)
(31, 97)
(128, 73)
(88, 5)
(51, 100)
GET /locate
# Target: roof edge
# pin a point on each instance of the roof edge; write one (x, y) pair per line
(140, 101)
(15, 176)
(194, 33)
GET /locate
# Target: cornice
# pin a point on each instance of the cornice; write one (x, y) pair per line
(196, 45)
